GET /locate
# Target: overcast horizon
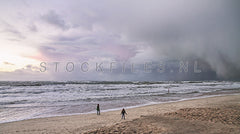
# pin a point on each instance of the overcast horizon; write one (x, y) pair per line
(200, 34)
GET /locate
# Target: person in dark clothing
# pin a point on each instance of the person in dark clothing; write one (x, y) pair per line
(98, 109)
(123, 113)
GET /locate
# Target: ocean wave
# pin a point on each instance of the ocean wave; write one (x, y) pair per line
(14, 102)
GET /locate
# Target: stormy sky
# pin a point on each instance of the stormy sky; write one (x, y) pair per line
(120, 31)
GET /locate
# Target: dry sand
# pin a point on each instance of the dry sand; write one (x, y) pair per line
(206, 115)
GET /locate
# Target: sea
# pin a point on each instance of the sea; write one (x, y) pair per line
(21, 100)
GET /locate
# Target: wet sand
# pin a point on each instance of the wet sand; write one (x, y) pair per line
(207, 115)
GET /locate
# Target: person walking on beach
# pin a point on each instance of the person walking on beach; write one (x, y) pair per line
(98, 109)
(123, 113)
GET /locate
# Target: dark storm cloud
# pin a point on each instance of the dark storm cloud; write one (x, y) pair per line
(55, 19)
(135, 30)
(208, 30)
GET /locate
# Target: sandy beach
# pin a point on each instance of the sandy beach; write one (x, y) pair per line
(219, 114)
